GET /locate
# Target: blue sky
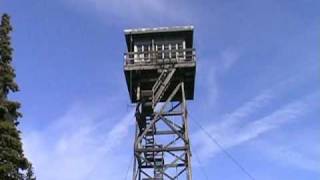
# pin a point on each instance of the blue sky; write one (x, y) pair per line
(257, 85)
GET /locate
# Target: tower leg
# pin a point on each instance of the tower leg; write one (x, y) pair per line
(162, 147)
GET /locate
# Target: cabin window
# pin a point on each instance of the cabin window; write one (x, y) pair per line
(164, 50)
(173, 50)
(159, 50)
(170, 49)
(142, 52)
(181, 52)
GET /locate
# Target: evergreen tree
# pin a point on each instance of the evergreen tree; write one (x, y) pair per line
(30, 174)
(13, 164)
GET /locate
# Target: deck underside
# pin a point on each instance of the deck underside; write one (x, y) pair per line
(147, 75)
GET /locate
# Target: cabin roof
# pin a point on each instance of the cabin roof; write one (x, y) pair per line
(158, 30)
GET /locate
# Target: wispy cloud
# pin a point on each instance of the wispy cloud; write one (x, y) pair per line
(80, 146)
(142, 11)
(223, 129)
(228, 58)
(233, 130)
(285, 155)
(209, 71)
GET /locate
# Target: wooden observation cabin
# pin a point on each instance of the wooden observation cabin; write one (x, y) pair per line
(150, 50)
(160, 67)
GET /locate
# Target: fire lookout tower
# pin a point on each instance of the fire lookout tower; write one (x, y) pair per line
(160, 68)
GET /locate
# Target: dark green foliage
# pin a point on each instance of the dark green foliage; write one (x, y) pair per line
(30, 174)
(12, 160)
(13, 164)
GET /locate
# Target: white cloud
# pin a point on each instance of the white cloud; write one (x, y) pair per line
(228, 58)
(247, 109)
(297, 148)
(141, 11)
(227, 125)
(80, 146)
(233, 131)
(285, 155)
(208, 83)
(209, 70)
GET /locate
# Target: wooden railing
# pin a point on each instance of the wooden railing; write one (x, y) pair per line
(159, 57)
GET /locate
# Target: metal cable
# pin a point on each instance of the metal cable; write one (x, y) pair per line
(215, 141)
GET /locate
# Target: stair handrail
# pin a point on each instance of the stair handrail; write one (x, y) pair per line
(156, 94)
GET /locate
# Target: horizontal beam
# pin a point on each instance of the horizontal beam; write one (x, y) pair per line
(173, 113)
(149, 66)
(163, 149)
(166, 132)
(165, 166)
